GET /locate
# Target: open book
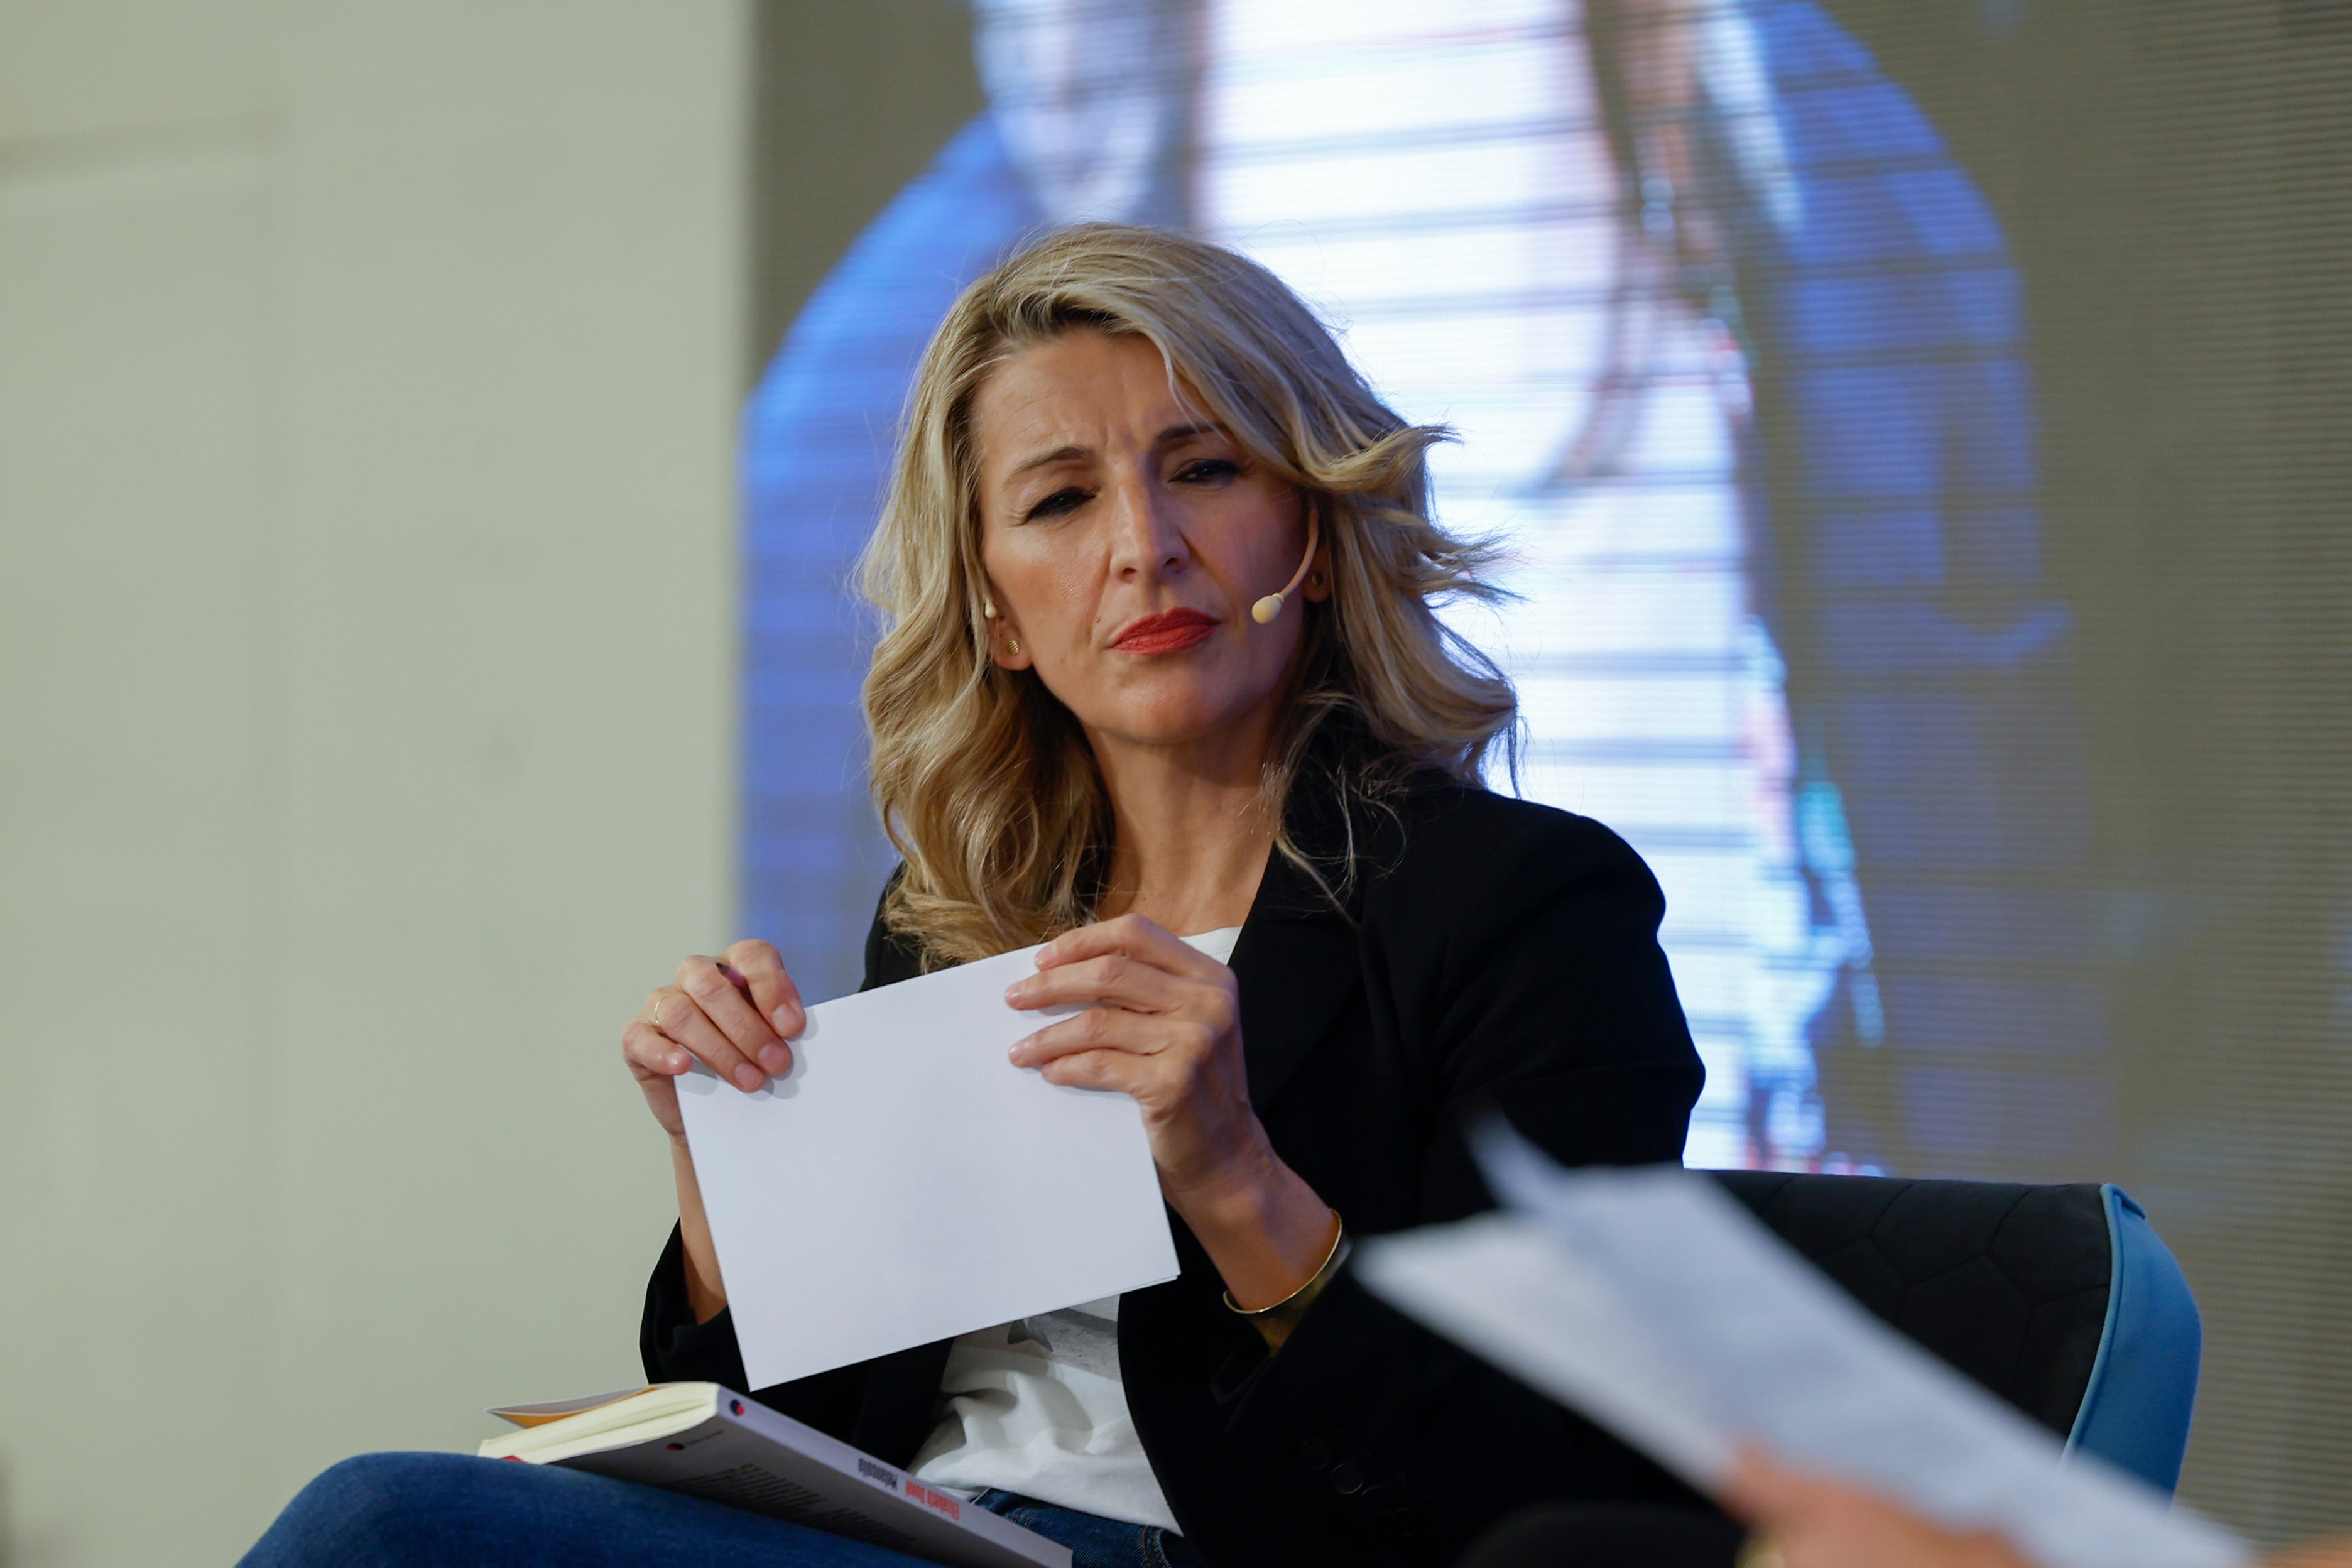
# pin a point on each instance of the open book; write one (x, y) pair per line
(710, 1442)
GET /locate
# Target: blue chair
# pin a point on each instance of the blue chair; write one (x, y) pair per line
(2059, 1298)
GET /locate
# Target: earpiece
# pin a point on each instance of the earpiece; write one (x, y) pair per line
(1265, 609)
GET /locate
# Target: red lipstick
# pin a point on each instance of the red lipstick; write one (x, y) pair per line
(1170, 631)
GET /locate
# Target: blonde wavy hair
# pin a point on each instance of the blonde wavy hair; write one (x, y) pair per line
(985, 783)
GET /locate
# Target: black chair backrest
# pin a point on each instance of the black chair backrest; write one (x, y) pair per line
(2005, 1281)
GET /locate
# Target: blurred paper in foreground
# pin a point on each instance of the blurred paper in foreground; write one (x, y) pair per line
(1653, 1302)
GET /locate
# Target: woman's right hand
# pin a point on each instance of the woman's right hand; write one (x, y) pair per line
(735, 1014)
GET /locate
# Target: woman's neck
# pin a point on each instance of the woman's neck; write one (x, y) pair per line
(1191, 828)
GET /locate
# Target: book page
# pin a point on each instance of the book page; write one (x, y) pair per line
(906, 1183)
(539, 1415)
(1655, 1303)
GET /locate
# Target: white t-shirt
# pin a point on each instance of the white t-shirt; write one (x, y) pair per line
(1037, 1407)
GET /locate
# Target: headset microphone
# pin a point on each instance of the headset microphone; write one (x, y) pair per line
(1265, 609)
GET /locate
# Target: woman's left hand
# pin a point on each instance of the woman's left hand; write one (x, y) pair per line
(1162, 1023)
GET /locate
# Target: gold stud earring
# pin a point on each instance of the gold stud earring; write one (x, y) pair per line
(1013, 646)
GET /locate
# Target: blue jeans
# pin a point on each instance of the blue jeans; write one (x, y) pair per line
(445, 1511)
(1093, 1542)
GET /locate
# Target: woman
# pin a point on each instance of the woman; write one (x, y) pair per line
(1160, 659)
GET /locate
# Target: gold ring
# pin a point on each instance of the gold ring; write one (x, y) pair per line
(658, 1000)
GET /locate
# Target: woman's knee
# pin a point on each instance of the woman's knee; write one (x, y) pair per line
(370, 1509)
(388, 1488)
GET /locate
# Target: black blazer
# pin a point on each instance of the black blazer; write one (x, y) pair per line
(1492, 953)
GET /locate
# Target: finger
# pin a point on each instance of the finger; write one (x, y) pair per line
(1759, 1487)
(1113, 978)
(1118, 1071)
(772, 991)
(682, 1020)
(650, 1053)
(1750, 1488)
(729, 1008)
(1108, 1029)
(1137, 936)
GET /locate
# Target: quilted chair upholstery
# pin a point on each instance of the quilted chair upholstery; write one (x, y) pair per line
(2059, 1298)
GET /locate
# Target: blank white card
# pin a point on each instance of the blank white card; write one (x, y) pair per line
(906, 1183)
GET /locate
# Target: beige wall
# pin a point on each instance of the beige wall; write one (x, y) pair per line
(367, 379)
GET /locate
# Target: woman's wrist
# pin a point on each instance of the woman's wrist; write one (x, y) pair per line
(1261, 1225)
(1273, 1324)
(705, 1292)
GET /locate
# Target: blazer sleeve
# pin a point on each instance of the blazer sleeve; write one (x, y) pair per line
(676, 1349)
(1551, 1002)
(1537, 984)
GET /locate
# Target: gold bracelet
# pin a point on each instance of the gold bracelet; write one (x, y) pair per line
(1273, 1324)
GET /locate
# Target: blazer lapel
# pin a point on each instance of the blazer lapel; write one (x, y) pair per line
(1293, 977)
(1295, 963)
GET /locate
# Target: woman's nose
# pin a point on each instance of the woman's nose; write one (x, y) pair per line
(1145, 539)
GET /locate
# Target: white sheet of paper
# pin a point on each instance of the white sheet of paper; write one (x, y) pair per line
(1656, 1304)
(905, 1183)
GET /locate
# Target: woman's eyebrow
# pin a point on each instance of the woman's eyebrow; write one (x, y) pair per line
(1167, 437)
(1047, 460)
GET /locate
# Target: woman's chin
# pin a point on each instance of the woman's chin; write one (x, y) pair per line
(1180, 699)
(1175, 721)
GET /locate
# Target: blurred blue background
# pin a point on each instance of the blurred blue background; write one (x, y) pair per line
(1734, 348)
